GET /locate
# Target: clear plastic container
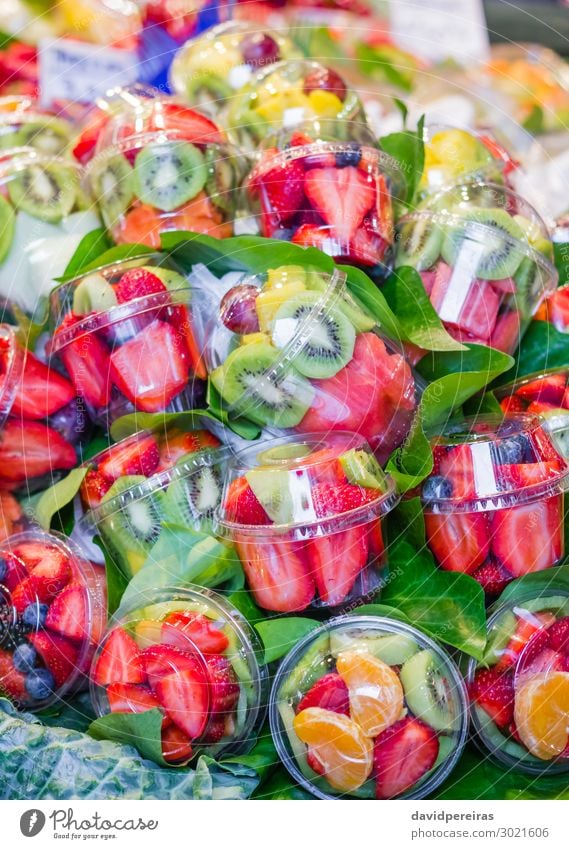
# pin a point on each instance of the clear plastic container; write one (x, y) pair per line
(306, 517)
(494, 502)
(485, 259)
(189, 654)
(44, 214)
(520, 691)
(24, 124)
(368, 708)
(52, 615)
(210, 69)
(115, 23)
(293, 351)
(124, 335)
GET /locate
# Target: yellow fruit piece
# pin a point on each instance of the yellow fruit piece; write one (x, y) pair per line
(541, 714)
(345, 753)
(455, 149)
(326, 104)
(254, 338)
(376, 694)
(147, 632)
(284, 275)
(271, 106)
(270, 301)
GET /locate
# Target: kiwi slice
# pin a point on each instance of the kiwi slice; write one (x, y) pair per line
(204, 87)
(329, 341)
(529, 286)
(347, 304)
(312, 666)
(497, 254)
(361, 469)
(113, 187)
(169, 175)
(7, 226)
(270, 400)
(393, 649)
(192, 499)
(427, 691)
(499, 637)
(93, 294)
(47, 192)
(419, 243)
(221, 178)
(51, 137)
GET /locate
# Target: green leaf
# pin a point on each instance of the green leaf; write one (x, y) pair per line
(534, 121)
(372, 299)
(538, 582)
(57, 496)
(76, 713)
(384, 610)
(117, 582)
(262, 758)
(188, 420)
(408, 150)
(91, 246)
(242, 427)
(282, 787)
(243, 601)
(542, 347)
(90, 259)
(279, 636)
(141, 730)
(378, 63)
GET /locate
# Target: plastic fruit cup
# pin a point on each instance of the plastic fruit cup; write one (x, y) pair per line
(44, 214)
(292, 351)
(484, 257)
(210, 69)
(52, 615)
(306, 516)
(494, 503)
(124, 335)
(143, 481)
(520, 692)
(41, 419)
(188, 654)
(368, 708)
(27, 126)
(287, 94)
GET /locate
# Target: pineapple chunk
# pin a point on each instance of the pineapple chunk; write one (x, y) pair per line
(270, 301)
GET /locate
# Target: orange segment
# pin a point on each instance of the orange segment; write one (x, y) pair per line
(376, 694)
(345, 753)
(541, 714)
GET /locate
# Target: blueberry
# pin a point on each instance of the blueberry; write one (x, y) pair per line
(513, 450)
(34, 616)
(3, 569)
(351, 156)
(40, 684)
(25, 657)
(436, 487)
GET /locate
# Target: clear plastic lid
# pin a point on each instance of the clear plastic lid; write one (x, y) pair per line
(52, 613)
(490, 462)
(453, 153)
(11, 367)
(189, 654)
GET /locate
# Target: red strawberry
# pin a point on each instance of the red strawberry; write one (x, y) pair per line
(342, 196)
(243, 506)
(68, 613)
(456, 464)
(187, 630)
(493, 690)
(528, 538)
(11, 681)
(513, 404)
(137, 283)
(94, 487)
(86, 361)
(545, 661)
(176, 747)
(492, 577)
(330, 693)
(459, 541)
(180, 319)
(366, 247)
(30, 553)
(190, 125)
(559, 635)
(135, 456)
(549, 389)
(53, 572)
(528, 625)
(178, 444)
(120, 660)
(336, 561)
(528, 474)
(283, 189)
(215, 730)
(31, 450)
(41, 392)
(185, 698)
(314, 763)
(130, 698)
(402, 754)
(277, 573)
(58, 654)
(299, 139)
(159, 661)
(224, 687)
(26, 593)
(16, 570)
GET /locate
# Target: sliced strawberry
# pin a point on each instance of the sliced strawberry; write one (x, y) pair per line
(11, 681)
(506, 334)
(215, 731)
(137, 283)
(179, 443)
(52, 572)
(544, 662)
(549, 389)
(120, 660)
(68, 614)
(180, 318)
(336, 561)
(93, 489)
(160, 661)
(342, 196)
(130, 698)
(31, 553)
(27, 593)
(149, 369)
(283, 189)
(176, 746)
(191, 125)
(185, 698)
(402, 754)
(224, 686)
(528, 474)
(528, 625)
(187, 629)
(493, 690)
(242, 505)
(32, 451)
(529, 538)
(459, 541)
(330, 692)
(557, 309)
(513, 404)
(86, 361)
(456, 464)
(138, 456)
(492, 577)
(58, 654)
(15, 570)
(559, 635)
(41, 392)
(277, 573)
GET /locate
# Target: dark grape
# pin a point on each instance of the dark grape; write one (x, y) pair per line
(237, 309)
(72, 421)
(327, 80)
(259, 49)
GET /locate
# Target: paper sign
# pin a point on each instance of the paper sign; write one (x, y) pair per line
(436, 30)
(80, 72)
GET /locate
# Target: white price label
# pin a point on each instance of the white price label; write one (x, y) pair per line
(441, 29)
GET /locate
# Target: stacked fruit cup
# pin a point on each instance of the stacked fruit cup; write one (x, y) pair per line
(24, 124)
(52, 616)
(485, 259)
(494, 503)
(209, 70)
(124, 335)
(292, 351)
(164, 167)
(41, 419)
(190, 657)
(306, 515)
(131, 488)
(314, 189)
(368, 708)
(44, 214)
(520, 690)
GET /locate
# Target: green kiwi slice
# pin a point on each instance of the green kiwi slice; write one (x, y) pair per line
(362, 322)
(329, 341)
(221, 178)
(419, 243)
(427, 691)
(93, 293)
(51, 136)
(203, 87)
(169, 175)
(192, 498)
(493, 243)
(112, 185)
(278, 401)
(47, 192)
(529, 286)
(361, 469)
(7, 225)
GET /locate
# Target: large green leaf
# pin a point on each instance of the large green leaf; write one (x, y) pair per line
(89, 249)
(141, 730)
(58, 496)
(188, 420)
(537, 582)
(542, 347)
(408, 150)
(279, 636)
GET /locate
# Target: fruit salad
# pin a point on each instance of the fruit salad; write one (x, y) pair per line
(131, 488)
(306, 516)
(485, 259)
(494, 502)
(331, 195)
(520, 691)
(165, 167)
(210, 69)
(287, 94)
(294, 352)
(52, 615)
(368, 708)
(124, 336)
(191, 656)
(44, 214)
(41, 420)
(24, 124)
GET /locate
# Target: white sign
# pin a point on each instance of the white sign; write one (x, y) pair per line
(80, 72)
(437, 30)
